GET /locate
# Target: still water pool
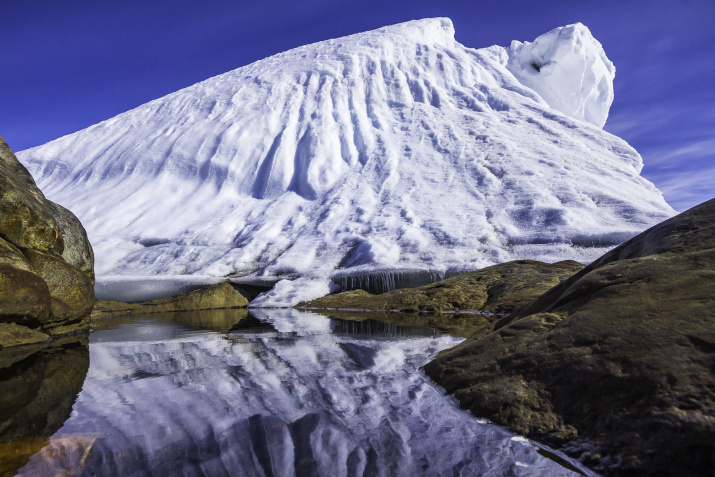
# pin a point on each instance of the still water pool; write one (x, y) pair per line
(270, 393)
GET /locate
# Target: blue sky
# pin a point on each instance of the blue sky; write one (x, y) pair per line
(69, 64)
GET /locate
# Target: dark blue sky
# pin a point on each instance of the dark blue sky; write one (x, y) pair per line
(68, 64)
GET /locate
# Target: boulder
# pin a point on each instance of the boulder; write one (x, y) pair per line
(46, 261)
(72, 291)
(24, 296)
(616, 364)
(77, 250)
(25, 218)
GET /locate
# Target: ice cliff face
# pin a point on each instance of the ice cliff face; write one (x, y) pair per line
(397, 148)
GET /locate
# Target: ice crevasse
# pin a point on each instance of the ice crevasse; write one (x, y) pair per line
(394, 149)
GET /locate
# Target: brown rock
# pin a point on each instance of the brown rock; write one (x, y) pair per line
(46, 261)
(12, 334)
(497, 289)
(25, 219)
(24, 298)
(71, 290)
(220, 295)
(620, 357)
(77, 251)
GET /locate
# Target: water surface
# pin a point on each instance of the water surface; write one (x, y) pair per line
(272, 393)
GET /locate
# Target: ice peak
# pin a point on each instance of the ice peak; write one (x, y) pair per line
(426, 31)
(435, 30)
(568, 68)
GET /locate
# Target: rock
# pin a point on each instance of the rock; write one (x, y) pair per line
(12, 334)
(25, 219)
(46, 261)
(220, 295)
(77, 251)
(617, 363)
(24, 296)
(72, 291)
(497, 289)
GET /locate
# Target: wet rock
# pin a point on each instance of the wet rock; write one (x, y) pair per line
(498, 289)
(220, 295)
(46, 261)
(617, 363)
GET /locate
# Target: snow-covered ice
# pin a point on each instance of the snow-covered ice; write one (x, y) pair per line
(395, 149)
(569, 70)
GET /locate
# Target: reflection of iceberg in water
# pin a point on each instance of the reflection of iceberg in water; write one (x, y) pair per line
(297, 399)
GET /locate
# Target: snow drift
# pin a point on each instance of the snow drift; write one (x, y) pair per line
(395, 149)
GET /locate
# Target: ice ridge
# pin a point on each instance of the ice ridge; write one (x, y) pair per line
(395, 149)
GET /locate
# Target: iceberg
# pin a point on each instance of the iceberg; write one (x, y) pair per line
(397, 149)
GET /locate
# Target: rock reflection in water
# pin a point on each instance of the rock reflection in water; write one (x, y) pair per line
(38, 386)
(378, 329)
(299, 395)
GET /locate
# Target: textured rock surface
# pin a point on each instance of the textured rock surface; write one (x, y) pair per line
(617, 361)
(12, 334)
(497, 289)
(46, 261)
(220, 295)
(77, 251)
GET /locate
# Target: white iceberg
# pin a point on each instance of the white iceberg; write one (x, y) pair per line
(395, 149)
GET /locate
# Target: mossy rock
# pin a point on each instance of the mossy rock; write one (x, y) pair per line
(46, 261)
(619, 358)
(220, 295)
(12, 334)
(497, 289)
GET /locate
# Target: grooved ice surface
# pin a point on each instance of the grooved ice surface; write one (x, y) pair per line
(307, 398)
(395, 149)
